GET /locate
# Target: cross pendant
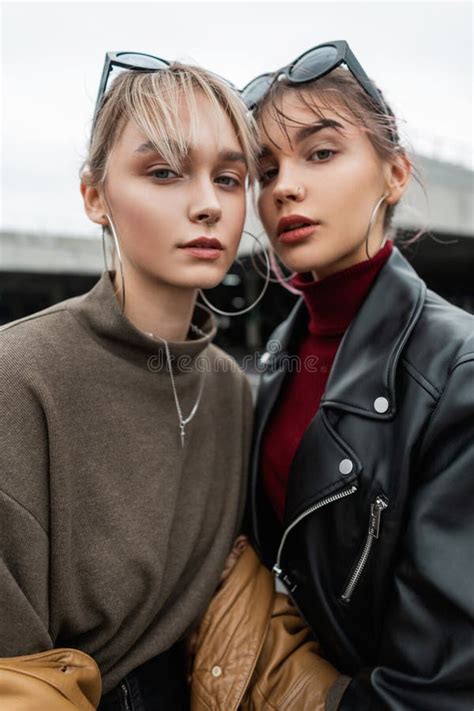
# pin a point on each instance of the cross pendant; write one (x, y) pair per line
(182, 433)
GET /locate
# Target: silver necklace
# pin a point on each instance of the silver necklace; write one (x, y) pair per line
(183, 421)
(195, 329)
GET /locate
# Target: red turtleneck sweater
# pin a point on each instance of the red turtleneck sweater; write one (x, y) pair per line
(332, 303)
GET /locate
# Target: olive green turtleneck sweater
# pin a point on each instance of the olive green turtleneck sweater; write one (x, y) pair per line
(112, 536)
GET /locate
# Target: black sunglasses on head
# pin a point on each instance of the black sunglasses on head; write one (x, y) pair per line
(125, 60)
(314, 64)
(137, 61)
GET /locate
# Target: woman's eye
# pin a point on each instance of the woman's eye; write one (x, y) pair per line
(322, 154)
(266, 175)
(164, 173)
(228, 180)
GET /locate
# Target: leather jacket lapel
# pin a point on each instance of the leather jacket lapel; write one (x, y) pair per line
(362, 381)
(362, 378)
(323, 465)
(276, 362)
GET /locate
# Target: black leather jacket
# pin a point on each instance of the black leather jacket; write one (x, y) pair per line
(377, 543)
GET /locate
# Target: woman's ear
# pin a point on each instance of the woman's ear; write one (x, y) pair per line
(397, 173)
(94, 204)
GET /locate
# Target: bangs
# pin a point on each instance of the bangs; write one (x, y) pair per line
(337, 93)
(157, 102)
(320, 103)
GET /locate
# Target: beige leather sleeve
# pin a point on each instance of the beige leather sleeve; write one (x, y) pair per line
(56, 680)
(290, 674)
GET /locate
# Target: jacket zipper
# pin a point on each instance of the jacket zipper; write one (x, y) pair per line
(328, 500)
(379, 505)
(124, 688)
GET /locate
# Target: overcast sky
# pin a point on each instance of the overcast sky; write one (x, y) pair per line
(420, 54)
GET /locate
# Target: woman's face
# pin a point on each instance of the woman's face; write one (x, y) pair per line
(158, 212)
(331, 179)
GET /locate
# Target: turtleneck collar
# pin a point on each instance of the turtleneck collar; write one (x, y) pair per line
(333, 302)
(99, 312)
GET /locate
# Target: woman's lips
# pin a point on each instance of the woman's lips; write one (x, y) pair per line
(203, 248)
(295, 228)
(297, 235)
(202, 252)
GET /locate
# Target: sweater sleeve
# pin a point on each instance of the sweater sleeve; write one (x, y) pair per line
(24, 540)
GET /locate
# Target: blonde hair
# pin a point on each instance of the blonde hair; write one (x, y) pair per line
(154, 102)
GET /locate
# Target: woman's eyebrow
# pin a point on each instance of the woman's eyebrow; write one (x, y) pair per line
(302, 133)
(227, 155)
(146, 147)
(306, 131)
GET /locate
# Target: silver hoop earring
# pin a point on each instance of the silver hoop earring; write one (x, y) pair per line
(371, 223)
(260, 296)
(278, 280)
(106, 266)
(117, 247)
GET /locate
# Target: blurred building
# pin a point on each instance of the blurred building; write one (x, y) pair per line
(37, 270)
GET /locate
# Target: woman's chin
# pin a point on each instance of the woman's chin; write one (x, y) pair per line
(210, 276)
(298, 258)
(202, 277)
(210, 283)
(308, 260)
(297, 265)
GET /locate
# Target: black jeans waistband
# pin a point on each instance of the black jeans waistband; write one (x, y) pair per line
(157, 685)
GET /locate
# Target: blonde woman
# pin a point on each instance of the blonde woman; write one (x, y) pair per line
(125, 432)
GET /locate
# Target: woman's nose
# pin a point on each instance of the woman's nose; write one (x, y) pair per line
(286, 191)
(209, 216)
(206, 208)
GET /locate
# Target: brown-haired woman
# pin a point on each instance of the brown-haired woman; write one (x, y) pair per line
(125, 431)
(362, 479)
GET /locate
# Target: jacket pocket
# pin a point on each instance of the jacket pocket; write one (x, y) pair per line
(376, 509)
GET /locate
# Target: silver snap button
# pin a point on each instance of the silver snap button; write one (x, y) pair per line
(381, 404)
(346, 466)
(216, 672)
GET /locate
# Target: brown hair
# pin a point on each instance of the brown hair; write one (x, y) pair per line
(337, 90)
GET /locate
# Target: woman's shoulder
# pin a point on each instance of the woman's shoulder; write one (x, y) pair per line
(222, 362)
(32, 339)
(37, 322)
(442, 313)
(442, 339)
(226, 368)
(440, 319)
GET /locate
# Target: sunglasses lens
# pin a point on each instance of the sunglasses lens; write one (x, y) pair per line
(141, 60)
(254, 92)
(314, 63)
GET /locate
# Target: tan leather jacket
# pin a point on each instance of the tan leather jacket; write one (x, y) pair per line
(55, 680)
(254, 651)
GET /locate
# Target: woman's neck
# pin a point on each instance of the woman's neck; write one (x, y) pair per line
(156, 308)
(356, 256)
(333, 302)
